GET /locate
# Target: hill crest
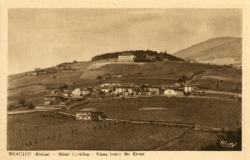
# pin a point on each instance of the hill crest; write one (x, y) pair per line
(221, 50)
(140, 56)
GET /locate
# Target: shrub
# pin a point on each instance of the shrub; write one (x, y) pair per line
(31, 106)
(22, 102)
(65, 86)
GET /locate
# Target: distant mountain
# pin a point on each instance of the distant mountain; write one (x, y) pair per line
(222, 50)
(140, 56)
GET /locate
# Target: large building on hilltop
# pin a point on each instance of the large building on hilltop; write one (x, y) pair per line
(126, 57)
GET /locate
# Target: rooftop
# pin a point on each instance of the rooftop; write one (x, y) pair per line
(126, 54)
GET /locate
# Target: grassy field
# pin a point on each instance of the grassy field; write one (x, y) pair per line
(148, 71)
(30, 131)
(39, 133)
(66, 78)
(204, 111)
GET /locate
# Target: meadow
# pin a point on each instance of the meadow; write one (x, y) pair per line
(31, 131)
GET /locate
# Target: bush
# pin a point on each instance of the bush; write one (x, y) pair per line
(31, 106)
(22, 102)
(65, 86)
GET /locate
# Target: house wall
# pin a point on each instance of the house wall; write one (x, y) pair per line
(126, 58)
(52, 100)
(76, 92)
(83, 116)
(170, 92)
(188, 89)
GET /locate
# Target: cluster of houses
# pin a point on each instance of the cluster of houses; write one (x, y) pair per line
(130, 89)
(66, 97)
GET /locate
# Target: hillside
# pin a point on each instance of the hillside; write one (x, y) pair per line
(222, 50)
(140, 56)
(54, 132)
(156, 73)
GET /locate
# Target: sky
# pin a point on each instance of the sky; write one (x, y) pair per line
(47, 37)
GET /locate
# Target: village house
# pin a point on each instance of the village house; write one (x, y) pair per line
(85, 92)
(153, 90)
(124, 91)
(90, 115)
(172, 92)
(79, 93)
(106, 89)
(54, 100)
(188, 90)
(191, 90)
(126, 57)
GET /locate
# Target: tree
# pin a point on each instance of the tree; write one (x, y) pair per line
(22, 102)
(237, 89)
(65, 86)
(183, 79)
(37, 69)
(99, 77)
(31, 106)
(217, 84)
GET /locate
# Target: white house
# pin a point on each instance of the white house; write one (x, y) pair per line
(80, 92)
(77, 92)
(106, 90)
(83, 116)
(124, 91)
(89, 115)
(120, 90)
(188, 89)
(126, 57)
(172, 92)
(85, 92)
